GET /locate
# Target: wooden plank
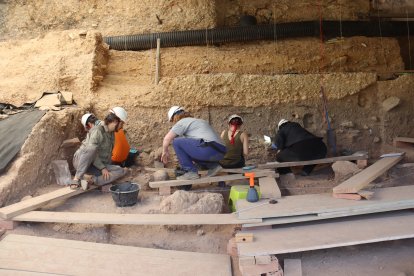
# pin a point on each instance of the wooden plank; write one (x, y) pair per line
(269, 188)
(205, 180)
(157, 61)
(317, 204)
(37, 202)
(68, 257)
(331, 215)
(362, 179)
(292, 267)
(133, 219)
(344, 232)
(272, 165)
(347, 196)
(244, 237)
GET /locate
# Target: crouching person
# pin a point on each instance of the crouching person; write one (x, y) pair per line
(194, 141)
(94, 155)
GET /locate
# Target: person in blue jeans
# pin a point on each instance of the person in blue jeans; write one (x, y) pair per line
(194, 142)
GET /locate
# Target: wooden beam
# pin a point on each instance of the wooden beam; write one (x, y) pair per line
(362, 179)
(132, 219)
(244, 237)
(403, 142)
(272, 165)
(269, 188)
(393, 198)
(68, 257)
(37, 202)
(205, 180)
(344, 232)
(157, 62)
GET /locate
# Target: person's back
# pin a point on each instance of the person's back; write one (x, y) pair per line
(291, 133)
(121, 147)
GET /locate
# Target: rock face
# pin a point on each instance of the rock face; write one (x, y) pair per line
(344, 170)
(181, 202)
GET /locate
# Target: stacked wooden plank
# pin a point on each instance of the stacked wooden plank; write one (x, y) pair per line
(29, 255)
(307, 207)
(383, 217)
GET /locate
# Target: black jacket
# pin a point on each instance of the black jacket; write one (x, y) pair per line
(291, 133)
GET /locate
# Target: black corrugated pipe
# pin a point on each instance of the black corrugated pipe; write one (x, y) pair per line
(261, 32)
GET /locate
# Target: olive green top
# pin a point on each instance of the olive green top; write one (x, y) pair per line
(234, 152)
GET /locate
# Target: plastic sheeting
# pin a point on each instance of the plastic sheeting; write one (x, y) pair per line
(14, 131)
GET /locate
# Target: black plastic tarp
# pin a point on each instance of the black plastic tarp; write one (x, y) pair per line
(14, 131)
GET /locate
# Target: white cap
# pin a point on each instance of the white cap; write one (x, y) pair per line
(85, 118)
(235, 116)
(174, 109)
(281, 122)
(120, 113)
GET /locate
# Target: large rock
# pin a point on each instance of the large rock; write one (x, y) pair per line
(344, 170)
(390, 103)
(182, 202)
(161, 175)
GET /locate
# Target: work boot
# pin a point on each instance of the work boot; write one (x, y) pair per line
(215, 170)
(188, 176)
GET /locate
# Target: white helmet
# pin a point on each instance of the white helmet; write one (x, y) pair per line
(85, 118)
(234, 116)
(174, 109)
(120, 113)
(281, 122)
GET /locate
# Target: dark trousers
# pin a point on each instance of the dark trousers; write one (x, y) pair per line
(302, 151)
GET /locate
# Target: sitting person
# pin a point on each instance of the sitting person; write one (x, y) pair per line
(237, 144)
(294, 143)
(121, 148)
(198, 143)
(94, 155)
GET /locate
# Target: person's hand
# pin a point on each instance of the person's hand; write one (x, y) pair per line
(164, 157)
(105, 173)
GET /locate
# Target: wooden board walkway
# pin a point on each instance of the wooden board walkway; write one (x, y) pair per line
(132, 219)
(273, 165)
(204, 180)
(336, 233)
(317, 204)
(362, 179)
(37, 202)
(19, 253)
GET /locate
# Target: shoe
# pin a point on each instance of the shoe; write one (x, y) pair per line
(188, 176)
(214, 171)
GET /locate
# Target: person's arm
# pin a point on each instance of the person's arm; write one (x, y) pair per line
(222, 134)
(165, 143)
(96, 139)
(245, 141)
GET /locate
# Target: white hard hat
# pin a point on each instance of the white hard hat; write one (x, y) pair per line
(174, 109)
(120, 113)
(85, 118)
(235, 116)
(281, 122)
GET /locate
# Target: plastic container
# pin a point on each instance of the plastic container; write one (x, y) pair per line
(125, 194)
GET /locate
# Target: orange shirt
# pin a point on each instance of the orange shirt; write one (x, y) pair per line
(121, 147)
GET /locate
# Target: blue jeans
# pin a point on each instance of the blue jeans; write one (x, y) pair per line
(190, 150)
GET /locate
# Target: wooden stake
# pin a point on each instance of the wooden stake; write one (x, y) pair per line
(157, 64)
